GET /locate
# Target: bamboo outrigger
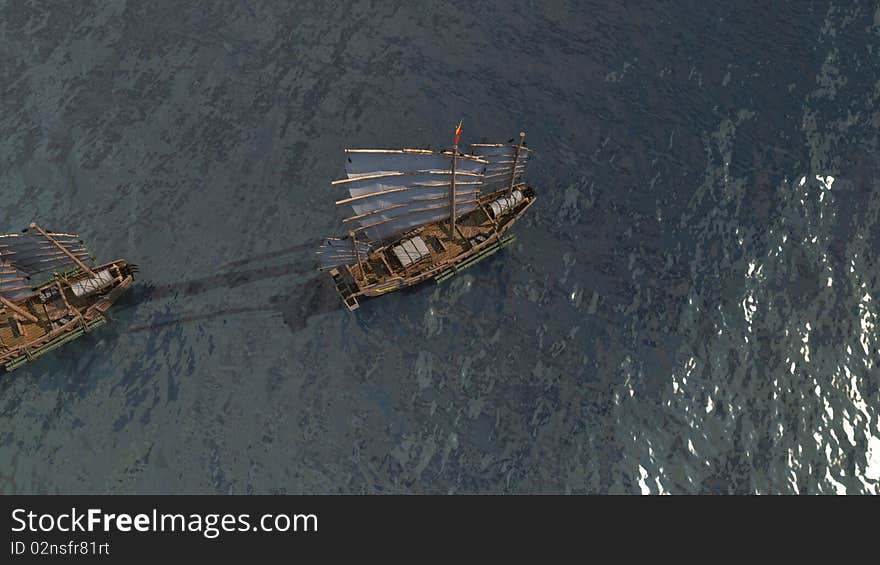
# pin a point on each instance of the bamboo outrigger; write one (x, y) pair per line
(424, 214)
(49, 295)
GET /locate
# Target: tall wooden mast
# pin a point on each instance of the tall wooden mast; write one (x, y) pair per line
(522, 137)
(357, 254)
(452, 196)
(452, 193)
(75, 259)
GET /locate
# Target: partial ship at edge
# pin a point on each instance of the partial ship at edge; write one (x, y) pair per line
(419, 214)
(49, 293)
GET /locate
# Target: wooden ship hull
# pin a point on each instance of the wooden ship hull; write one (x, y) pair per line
(479, 235)
(50, 314)
(421, 214)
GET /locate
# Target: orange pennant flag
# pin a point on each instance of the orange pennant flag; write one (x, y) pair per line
(458, 132)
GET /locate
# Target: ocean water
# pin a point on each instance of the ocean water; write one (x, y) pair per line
(690, 307)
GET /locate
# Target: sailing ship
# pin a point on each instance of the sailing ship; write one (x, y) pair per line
(418, 214)
(51, 293)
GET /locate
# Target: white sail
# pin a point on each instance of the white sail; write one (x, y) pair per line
(387, 223)
(505, 163)
(392, 191)
(335, 252)
(380, 204)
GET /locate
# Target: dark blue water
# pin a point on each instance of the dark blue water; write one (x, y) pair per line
(691, 306)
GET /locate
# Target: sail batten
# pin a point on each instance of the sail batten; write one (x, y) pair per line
(388, 174)
(361, 194)
(499, 172)
(360, 162)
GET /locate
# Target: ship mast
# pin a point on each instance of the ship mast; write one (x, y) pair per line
(452, 193)
(75, 259)
(452, 196)
(522, 137)
(357, 254)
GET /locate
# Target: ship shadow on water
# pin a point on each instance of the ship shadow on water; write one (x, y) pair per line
(296, 306)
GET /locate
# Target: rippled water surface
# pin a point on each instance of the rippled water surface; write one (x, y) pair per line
(691, 306)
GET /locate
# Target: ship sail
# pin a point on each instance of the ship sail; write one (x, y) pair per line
(335, 252)
(507, 164)
(372, 161)
(33, 253)
(392, 191)
(13, 285)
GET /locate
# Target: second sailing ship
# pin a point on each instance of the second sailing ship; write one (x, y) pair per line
(51, 292)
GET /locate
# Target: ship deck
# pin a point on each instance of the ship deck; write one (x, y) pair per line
(443, 249)
(16, 332)
(55, 318)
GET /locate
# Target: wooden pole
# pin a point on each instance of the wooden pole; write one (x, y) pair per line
(387, 264)
(452, 194)
(18, 310)
(64, 249)
(357, 254)
(522, 137)
(70, 309)
(491, 219)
